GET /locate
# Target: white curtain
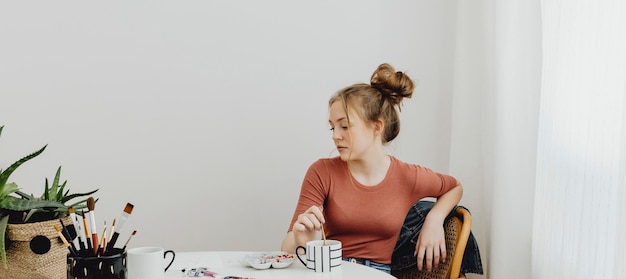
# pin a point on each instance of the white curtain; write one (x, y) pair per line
(538, 122)
(494, 130)
(579, 198)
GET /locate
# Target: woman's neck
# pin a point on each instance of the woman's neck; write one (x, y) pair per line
(370, 171)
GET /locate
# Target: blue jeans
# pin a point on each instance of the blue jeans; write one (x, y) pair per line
(403, 254)
(382, 267)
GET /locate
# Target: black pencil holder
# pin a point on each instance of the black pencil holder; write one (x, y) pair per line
(111, 265)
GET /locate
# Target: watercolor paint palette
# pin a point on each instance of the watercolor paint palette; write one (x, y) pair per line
(269, 260)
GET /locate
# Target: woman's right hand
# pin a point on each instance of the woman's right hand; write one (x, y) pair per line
(308, 224)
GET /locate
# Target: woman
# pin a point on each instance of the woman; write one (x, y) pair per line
(362, 196)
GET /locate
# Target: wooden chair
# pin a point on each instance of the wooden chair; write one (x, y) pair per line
(457, 231)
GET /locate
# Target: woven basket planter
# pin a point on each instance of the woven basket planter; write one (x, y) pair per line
(36, 251)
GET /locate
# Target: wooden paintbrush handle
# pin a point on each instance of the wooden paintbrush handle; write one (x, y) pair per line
(94, 239)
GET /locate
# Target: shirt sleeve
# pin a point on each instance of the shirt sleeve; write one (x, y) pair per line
(433, 184)
(314, 190)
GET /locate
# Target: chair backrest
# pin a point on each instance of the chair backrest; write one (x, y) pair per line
(457, 230)
(464, 218)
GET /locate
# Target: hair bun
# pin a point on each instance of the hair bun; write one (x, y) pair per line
(392, 85)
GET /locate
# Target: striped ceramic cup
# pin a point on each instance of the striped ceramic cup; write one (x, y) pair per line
(320, 257)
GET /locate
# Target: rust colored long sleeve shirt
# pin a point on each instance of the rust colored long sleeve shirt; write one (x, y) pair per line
(367, 219)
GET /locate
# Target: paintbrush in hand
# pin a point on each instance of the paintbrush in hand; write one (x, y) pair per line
(323, 236)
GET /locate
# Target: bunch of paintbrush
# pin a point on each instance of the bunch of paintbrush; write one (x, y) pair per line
(89, 242)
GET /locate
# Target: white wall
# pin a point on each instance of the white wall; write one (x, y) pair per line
(206, 114)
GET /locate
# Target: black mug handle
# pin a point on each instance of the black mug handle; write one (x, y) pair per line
(298, 254)
(171, 261)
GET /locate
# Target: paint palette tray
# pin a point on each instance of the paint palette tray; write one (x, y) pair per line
(269, 260)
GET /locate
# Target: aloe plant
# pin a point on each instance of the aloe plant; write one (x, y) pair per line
(52, 202)
(6, 189)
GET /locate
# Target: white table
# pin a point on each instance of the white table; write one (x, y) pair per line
(229, 263)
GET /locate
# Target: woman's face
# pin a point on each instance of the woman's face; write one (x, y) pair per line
(353, 140)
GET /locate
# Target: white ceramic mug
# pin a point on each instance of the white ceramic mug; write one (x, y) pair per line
(320, 257)
(148, 262)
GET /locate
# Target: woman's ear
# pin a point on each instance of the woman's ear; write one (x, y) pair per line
(379, 126)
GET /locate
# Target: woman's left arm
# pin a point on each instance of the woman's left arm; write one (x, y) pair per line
(431, 244)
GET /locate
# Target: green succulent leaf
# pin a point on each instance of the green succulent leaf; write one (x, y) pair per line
(60, 190)
(4, 220)
(55, 183)
(18, 204)
(31, 212)
(8, 189)
(25, 196)
(80, 204)
(4, 176)
(46, 191)
(77, 195)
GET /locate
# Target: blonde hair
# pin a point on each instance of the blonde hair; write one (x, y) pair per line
(380, 99)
